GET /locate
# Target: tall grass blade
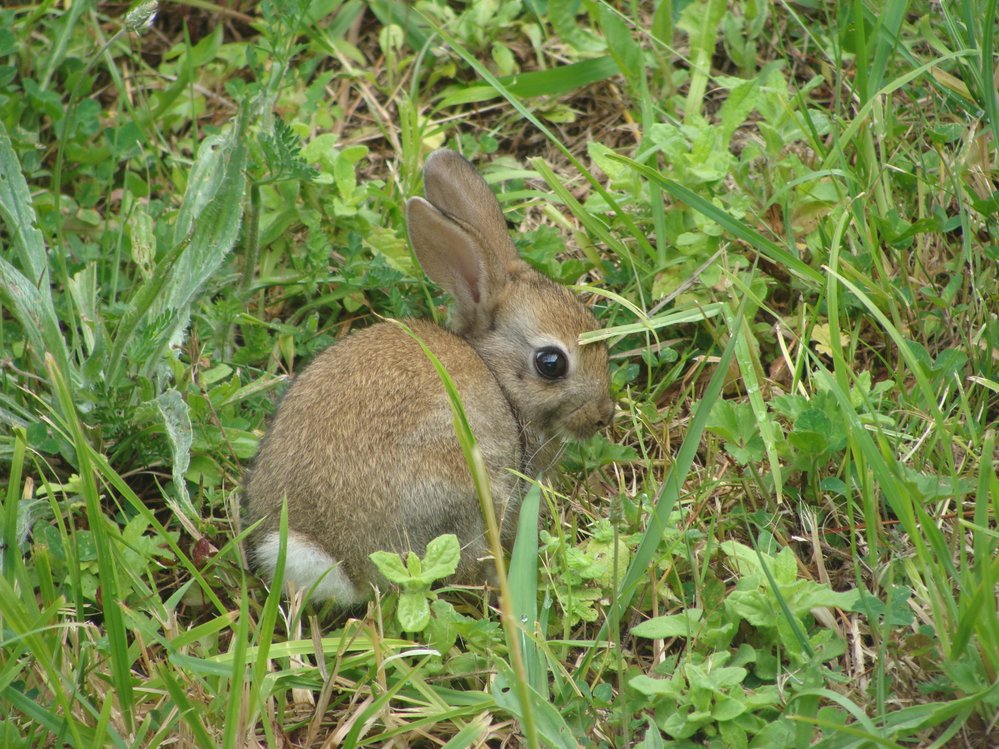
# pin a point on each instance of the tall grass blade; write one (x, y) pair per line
(889, 24)
(190, 712)
(12, 508)
(523, 577)
(557, 81)
(238, 684)
(121, 665)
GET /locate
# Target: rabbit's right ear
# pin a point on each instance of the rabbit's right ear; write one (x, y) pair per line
(460, 237)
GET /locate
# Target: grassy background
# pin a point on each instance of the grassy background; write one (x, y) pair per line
(785, 214)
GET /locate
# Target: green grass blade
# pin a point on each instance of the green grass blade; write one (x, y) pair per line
(12, 506)
(237, 674)
(889, 24)
(268, 618)
(590, 222)
(53, 722)
(654, 323)
(915, 368)
(523, 577)
(476, 465)
(190, 712)
(121, 664)
(557, 81)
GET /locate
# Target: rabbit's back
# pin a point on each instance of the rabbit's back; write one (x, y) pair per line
(364, 449)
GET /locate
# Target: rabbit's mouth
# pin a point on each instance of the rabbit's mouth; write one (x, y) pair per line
(584, 421)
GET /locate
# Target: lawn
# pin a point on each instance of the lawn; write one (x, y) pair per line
(785, 216)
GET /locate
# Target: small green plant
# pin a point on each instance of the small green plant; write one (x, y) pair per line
(708, 695)
(416, 576)
(723, 689)
(583, 575)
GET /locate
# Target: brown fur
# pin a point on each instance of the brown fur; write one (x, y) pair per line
(363, 445)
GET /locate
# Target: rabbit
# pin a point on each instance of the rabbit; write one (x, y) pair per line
(363, 446)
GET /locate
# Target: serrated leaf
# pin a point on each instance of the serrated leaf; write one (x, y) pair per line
(741, 100)
(562, 14)
(621, 44)
(177, 422)
(283, 152)
(211, 215)
(28, 293)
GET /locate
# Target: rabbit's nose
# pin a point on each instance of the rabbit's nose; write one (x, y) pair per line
(606, 414)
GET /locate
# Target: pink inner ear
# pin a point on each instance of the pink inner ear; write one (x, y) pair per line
(470, 271)
(472, 281)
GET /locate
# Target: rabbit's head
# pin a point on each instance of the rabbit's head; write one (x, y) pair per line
(524, 326)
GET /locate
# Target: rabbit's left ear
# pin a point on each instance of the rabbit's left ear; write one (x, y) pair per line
(460, 237)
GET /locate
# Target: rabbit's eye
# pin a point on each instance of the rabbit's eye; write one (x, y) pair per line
(550, 362)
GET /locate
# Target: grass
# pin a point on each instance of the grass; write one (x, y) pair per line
(785, 216)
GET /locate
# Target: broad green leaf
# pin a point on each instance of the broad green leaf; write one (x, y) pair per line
(391, 566)
(622, 45)
(18, 214)
(549, 721)
(673, 688)
(210, 215)
(753, 606)
(685, 624)
(741, 100)
(442, 557)
(562, 14)
(727, 708)
(413, 611)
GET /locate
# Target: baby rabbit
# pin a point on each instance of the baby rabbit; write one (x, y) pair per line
(363, 444)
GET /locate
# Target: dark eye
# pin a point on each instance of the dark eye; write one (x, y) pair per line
(550, 362)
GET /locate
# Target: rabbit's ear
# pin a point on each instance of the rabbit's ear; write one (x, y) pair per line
(456, 189)
(460, 237)
(453, 258)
